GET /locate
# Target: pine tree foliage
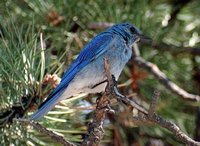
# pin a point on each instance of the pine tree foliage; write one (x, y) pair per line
(43, 37)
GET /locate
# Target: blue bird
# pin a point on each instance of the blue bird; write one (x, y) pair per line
(87, 74)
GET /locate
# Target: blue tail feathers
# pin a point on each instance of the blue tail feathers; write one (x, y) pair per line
(45, 108)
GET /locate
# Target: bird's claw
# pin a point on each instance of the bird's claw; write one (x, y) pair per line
(109, 109)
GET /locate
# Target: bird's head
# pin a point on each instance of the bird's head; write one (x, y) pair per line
(128, 32)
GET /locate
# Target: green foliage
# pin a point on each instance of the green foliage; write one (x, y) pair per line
(31, 45)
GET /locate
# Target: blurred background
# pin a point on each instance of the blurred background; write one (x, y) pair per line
(44, 37)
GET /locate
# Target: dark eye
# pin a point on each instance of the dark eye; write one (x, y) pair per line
(132, 30)
(126, 39)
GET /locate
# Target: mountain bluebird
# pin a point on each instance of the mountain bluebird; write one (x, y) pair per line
(87, 74)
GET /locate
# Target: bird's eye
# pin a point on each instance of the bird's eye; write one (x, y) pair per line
(132, 30)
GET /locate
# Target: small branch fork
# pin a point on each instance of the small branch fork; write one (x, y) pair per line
(149, 116)
(152, 117)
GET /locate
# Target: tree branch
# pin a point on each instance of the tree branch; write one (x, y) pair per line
(151, 117)
(152, 107)
(47, 132)
(153, 69)
(161, 46)
(99, 25)
(177, 6)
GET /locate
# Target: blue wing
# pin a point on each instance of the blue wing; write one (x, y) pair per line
(91, 51)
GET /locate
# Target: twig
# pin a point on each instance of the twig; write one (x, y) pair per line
(177, 6)
(125, 99)
(47, 132)
(172, 48)
(151, 117)
(152, 68)
(174, 129)
(99, 25)
(95, 129)
(152, 107)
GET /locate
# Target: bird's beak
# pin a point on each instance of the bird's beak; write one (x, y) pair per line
(144, 38)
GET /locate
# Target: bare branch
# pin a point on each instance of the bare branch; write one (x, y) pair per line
(99, 25)
(47, 132)
(153, 69)
(155, 119)
(169, 125)
(174, 129)
(151, 117)
(152, 107)
(177, 6)
(161, 46)
(126, 100)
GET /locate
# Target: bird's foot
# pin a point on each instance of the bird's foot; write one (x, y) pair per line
(109, 110)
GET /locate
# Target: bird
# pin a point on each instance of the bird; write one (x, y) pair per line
(87, 73)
